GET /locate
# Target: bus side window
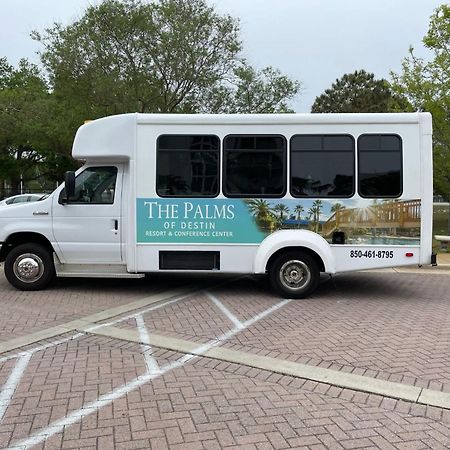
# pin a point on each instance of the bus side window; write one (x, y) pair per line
(254, 166)
(187, 166)
(322, 165)
(380, 165)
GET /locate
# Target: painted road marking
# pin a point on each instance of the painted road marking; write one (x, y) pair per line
(104, 400)
(41, 347)
(92, 318)
(150, 362)
(134, 315)
(234, 320)
(354, 382)
(87, 323)
(13, 380)
(212, 350)
(283, 367)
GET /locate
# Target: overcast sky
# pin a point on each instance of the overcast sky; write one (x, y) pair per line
(313, 41)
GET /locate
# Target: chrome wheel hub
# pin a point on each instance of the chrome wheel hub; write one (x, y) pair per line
(28, 268)
(295, 274)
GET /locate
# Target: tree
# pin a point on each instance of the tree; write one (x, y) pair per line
(282, 209)
(426, 85)
(251, 91)
(166, 56)
(261, 212)
(337, 207)
(358, 92)
(298, 211)
(28, 150)
(314, 213)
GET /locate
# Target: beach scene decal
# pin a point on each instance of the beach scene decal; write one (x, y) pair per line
(249, 221)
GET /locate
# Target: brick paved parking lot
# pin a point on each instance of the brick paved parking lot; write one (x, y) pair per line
(205, 362)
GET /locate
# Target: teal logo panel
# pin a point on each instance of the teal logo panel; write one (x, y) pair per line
(212, 221)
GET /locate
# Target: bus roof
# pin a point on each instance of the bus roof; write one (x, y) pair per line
(114, 137)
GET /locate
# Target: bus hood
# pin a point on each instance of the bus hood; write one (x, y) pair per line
(28, 209)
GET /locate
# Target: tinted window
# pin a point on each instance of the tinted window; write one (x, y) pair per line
(187, 166)
(95, 185)
(254, 166)
(322, 166)
(380, 165)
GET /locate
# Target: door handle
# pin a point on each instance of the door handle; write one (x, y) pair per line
(115, 226)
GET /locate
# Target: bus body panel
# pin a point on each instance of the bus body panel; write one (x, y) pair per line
(379, 232)
(336, 258)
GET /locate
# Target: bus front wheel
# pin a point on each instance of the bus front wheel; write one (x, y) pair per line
(29, 267)
(294, 275)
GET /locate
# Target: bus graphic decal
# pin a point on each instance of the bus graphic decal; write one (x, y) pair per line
(249, 221)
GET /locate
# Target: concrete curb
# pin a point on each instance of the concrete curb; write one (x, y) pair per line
(91, 320)
(354, 382)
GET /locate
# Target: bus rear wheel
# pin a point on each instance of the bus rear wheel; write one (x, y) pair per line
(294, 275)
(29, 267)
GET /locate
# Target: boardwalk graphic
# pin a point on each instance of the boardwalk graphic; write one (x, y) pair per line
(391, 215)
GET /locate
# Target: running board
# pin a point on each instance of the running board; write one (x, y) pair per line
(93, 270)
(98, 275)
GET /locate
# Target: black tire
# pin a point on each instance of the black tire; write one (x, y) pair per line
(294, 275)
(29, 267)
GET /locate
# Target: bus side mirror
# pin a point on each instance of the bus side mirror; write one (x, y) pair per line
(69, 181)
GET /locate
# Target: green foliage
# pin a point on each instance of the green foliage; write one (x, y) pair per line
(282, 210)
(337, 207)
(358, 92)
(426, 85)
(252, 91)
(262, 213)
(134, 56)
(314, 214)
(28, 149)
(168, 56)
(298, 211)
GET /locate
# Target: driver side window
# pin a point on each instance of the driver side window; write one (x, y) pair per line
(95, 185)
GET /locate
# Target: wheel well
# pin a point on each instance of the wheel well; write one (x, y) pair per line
(306, 250)
(23, 238)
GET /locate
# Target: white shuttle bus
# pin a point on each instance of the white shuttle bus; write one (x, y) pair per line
(288, 195)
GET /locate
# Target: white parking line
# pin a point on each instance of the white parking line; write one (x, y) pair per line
(113, 322)
(40, 347)
(152, 365)
(104, 400)
(144, 311)
(94, 327)
(13, 380)
(237, 323)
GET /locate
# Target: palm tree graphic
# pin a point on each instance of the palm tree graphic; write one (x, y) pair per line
(314, 212)
(282, 210)
(261, 212)
(298, 213)
(337, 207)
